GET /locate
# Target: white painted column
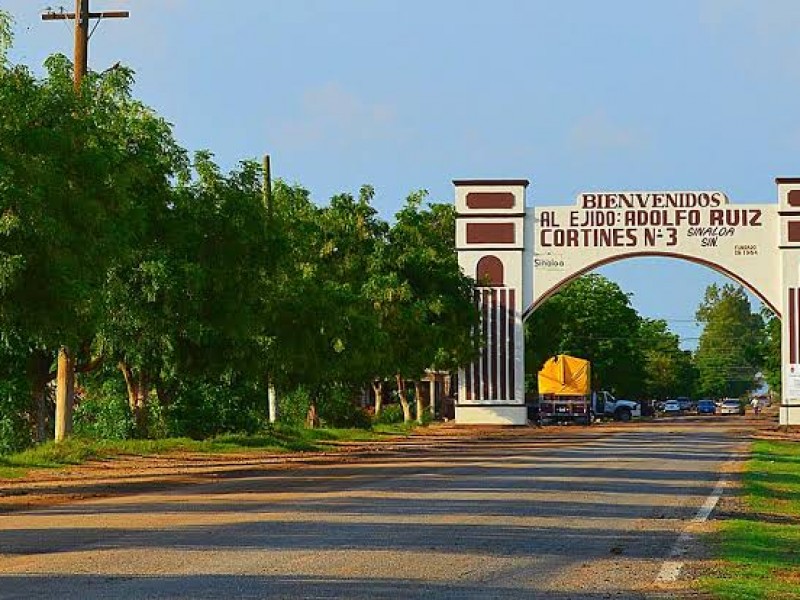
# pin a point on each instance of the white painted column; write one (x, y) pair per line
(490, 240)
(789, 248)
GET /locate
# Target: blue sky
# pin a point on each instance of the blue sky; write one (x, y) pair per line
(575, 95)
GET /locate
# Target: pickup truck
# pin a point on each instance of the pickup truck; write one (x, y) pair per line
(553, 407)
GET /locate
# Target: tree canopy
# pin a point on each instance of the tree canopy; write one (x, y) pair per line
(171, 276)
(731, 348)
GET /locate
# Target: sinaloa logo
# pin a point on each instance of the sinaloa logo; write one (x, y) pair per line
(549, 263)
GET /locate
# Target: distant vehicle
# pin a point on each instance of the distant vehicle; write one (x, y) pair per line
(731, 406)
(706, 407)
(684, 403)
(672, 407)
(565, 395)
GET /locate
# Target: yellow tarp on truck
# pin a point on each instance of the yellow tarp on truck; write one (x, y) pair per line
(565, 375)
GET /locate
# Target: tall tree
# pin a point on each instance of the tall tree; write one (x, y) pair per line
(5, 36)
(323, 332)
(423, 298)
(187, 301)
(771, 367)
(730, 351)
(76, 172)
(669, 370)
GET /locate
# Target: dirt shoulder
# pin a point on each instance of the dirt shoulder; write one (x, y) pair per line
(133, 474)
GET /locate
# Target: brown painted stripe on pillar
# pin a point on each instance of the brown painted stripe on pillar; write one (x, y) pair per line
(494, 382)
(793, 198)
(468, 381)
(792, 326)
(473, 394)
(490, 200)
(485, 350)
(511, 352)
(503, 325)
(490, 233)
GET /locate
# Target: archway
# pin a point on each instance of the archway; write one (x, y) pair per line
(541, 249)
(614, 259)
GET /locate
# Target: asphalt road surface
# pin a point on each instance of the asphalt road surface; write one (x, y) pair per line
(554, 515)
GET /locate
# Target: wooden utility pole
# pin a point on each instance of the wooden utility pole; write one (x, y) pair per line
(82, 16)
(65, 380)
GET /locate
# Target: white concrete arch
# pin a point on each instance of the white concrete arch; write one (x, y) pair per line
(543, 248)
(770, 302)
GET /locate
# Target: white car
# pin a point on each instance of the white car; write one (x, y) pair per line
(730, 406)
(672, 407)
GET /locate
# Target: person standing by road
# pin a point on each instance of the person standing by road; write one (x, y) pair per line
(756, 404)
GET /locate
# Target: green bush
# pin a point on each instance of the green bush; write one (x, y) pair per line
(337, 409)
(15, 430)
(390, 414)
(201, 409)
(293, 407)
(104, 414)
(158, 424)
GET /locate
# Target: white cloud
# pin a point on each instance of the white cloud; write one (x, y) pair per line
(331, 115)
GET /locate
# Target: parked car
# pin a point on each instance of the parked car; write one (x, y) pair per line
(731, 406)
(706, 407)
(672, 407)
(685, 404)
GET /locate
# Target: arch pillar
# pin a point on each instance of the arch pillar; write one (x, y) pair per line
(491, 223)
(789, 249)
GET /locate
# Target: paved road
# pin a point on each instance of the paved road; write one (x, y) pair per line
(559, 516)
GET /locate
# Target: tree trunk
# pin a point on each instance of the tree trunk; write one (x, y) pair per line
(312, 417)
(272, 403)
(432, 403)
(377, 387)
(418, 398)
(401, 391)
(65, 394)
(138, 386)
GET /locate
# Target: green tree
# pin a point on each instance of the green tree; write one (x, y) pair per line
(424, 300)
(590, 318)
(77, 171)
(730, 350)
(771, 367)
(323, 332)
(669, 370)
(187, 302)
(5, 37)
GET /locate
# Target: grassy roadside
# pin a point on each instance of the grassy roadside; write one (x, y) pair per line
(760, 549)
(279, 439)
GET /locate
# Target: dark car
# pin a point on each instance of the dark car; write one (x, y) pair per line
(685, 404)
(706, 407)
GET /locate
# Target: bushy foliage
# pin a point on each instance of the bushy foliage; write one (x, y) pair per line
(196, 286)
(202, 409)
(15, 429)
(337, 409)
(293, 407)
(730, 352)
(15, 396)
(104, 415)
(390, 414)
